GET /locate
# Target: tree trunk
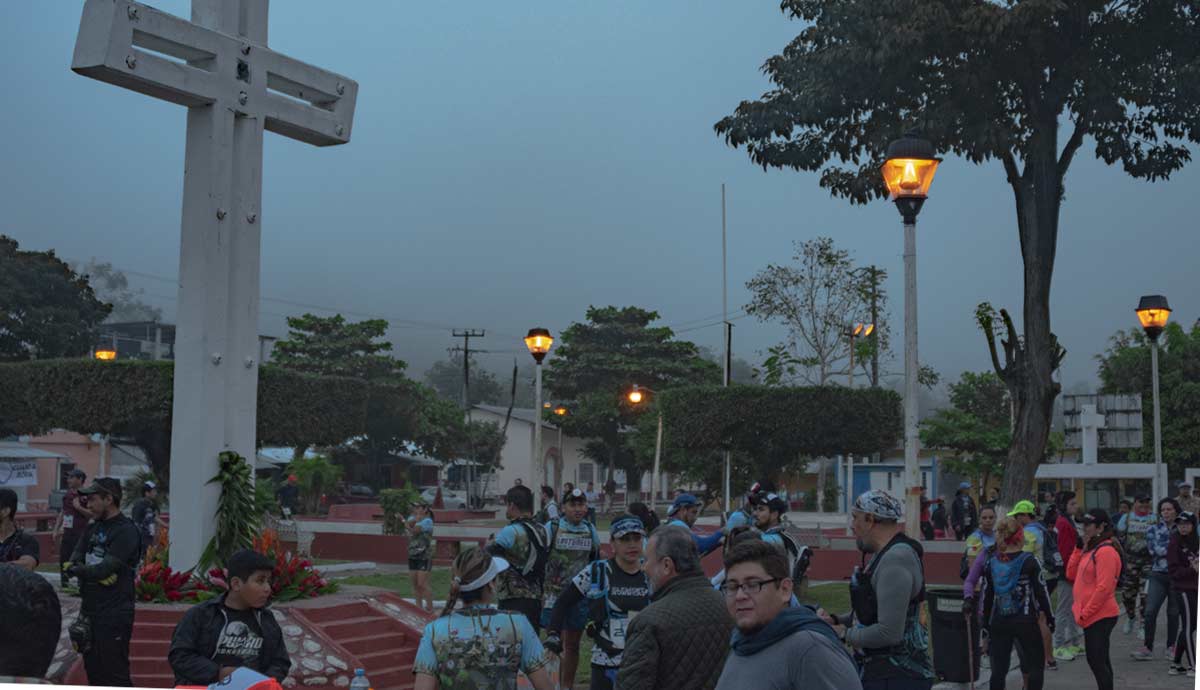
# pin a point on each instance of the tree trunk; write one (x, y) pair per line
(1029, 379)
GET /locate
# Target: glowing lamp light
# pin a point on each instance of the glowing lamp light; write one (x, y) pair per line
(870, 328)
(106, 355)
(538, 341)
(560, 411)
(636, 396)
(1152, 312)
(910, 166)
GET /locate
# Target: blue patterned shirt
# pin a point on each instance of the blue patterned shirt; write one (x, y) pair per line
(1158, 537)
(479, 648)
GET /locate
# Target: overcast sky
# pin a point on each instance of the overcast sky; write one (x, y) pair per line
(512, 163)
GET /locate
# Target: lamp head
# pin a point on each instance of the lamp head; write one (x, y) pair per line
(106, 354)
(908, 173)
(538, 341)
(561, 411)
(636, 395)
(1152, 312)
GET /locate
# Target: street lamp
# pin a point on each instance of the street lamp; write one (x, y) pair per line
(908, 173)
(636, 396)
(853, 332)
(538, 340)
(1153, 312)
(559, 411)
(106, 354)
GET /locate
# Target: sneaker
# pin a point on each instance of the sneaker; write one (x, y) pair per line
(985, 662)
(1142, 654)
(1128, 627)
(1170, 653)
(1141, 633)
(1176, 670)
(1052, 665)
(1078, 650)
(1064, 654)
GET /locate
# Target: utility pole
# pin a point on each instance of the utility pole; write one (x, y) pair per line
(466, 335)
(727, 360)
(874, 271)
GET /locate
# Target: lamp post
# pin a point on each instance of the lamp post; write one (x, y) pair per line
(852, 332)
(560, 411)
(636, 396)
(1153, 312)
(538, 341)
(908, 173)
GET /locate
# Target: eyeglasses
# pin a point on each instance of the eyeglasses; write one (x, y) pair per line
(751, 587)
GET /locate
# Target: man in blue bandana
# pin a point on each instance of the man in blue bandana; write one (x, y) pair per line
(683, 513)
(777, 645)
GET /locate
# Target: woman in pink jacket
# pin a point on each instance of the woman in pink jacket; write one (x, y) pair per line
(1095, 570)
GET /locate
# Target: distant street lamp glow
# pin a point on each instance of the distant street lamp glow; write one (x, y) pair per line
(636, 396)
(106, 355)
(561, 411)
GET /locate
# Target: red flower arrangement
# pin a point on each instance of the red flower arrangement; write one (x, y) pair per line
(157, 583)
(292, 578)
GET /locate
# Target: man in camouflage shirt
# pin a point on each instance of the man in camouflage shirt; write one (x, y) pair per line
(525, 545)
(1131, 530)
(574, 544)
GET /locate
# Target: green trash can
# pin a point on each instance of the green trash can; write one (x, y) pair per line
(952, 646)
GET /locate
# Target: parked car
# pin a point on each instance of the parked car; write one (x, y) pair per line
(352, 493)
(453, 500)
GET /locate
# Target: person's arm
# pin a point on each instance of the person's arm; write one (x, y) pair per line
(989, 601)
(972, 581)
(192, 665)
(639, 663)
(540, 680)
(31, 552)
(1066, 538)
(570, 597)
(707, 544)
(1040, 594)
(122, 550)
(956, 516)
(893, 593)
(279, 665)
(83, 510)
(533, 656)
(424, 681)
(81, 545)
(58, 527)
(504, 540)
(1178, 565)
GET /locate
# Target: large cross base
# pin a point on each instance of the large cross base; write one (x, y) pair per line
(219, 66)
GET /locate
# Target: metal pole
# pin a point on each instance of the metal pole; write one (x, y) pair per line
(850, 376)
(1156, 486)
(538, 459)
(912, 470)
(728, 335)
(657, 455)
(849, 490)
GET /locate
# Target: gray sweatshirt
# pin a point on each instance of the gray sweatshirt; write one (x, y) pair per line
(896, 579)
(803, 660)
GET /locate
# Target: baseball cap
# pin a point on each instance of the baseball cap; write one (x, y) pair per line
(103, 485)
(77, 473)
(1023, 508)
(1096, 516)
(965, 485)
(772, 502)
(575, 496)
(1141, 498)
(149, 485)
(1184, 485)
(1186, 516)
(879, 503)
(682, 501)
(626, 524)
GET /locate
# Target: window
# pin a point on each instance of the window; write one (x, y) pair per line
(587, 473)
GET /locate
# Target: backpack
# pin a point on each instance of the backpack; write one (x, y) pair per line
(534, 568)
(600, 609)
(800, 557)
(1051, 558)
(1006, 578)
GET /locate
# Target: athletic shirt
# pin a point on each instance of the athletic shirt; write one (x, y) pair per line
(74, 522)
(574, 546)
(241, 639)
(17, 545)
(978, 541)
(420, 538)
(1132, 528)
(627, 594)
(511, 584)
(479, 648)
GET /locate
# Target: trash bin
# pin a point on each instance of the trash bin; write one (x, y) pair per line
(948, 630)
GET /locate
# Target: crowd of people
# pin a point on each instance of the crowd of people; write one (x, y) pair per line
(1013, 566)
(1043, 583)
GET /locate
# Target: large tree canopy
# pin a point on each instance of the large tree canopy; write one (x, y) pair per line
(331, 346)
(986, 80)
(599, 360)
(46, 309)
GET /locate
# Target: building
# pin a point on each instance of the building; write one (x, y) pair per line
(154, 340)
(564, 458)
(56, 454)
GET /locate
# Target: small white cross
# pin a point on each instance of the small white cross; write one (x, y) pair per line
(1091, 423)
(234, 87)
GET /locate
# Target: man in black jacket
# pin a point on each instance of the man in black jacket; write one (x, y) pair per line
(964, 518)
(104, 561)
(233, 631)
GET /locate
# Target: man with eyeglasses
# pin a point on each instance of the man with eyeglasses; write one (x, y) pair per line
(614, 591)
(777, 645)
(104, 561)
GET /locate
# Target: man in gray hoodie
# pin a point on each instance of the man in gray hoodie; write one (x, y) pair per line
(777, 645)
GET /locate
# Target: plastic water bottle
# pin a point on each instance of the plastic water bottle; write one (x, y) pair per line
(360, 681)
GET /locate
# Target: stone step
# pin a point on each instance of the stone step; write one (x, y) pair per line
(391, 678)
(357, 627)
(146, 647)
(332, 614)
(148, 615)
(375, 643)
(388, 658)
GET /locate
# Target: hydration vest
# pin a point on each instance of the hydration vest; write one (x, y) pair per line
(908, 659)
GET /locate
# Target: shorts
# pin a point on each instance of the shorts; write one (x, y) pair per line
(576, 618)
(420, 564)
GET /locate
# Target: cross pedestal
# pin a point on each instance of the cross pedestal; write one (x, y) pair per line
(218, 65)
(1091, 423)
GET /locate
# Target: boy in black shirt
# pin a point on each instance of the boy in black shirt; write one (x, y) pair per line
(16, 546)
(232, 631)
(145, 515)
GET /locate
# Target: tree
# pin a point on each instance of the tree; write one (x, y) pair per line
(816, 300)
(740, 371)
(976, 429)
(1125, 368)
(600, 359)
(112, 286)
(446, 377)
(331, 346)
(986, 80)
(46, 309)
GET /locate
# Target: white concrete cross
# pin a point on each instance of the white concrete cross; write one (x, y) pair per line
(1091, 423)
(234, 87)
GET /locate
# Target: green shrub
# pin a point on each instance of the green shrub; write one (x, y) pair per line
(316, 476)
(396, 504)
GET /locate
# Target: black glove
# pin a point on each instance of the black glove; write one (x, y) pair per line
(969, 608)
(553, 642)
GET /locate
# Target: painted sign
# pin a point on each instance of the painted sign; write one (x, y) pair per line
(18, 473)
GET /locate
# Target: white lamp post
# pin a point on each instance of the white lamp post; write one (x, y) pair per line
(1153, 313)
(538, 341)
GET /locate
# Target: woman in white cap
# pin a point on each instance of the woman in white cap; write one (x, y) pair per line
(478, 646)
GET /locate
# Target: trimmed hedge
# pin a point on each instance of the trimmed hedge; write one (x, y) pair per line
(90, 396)
(810, 421)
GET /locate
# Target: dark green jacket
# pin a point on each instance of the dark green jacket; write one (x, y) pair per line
(679, 641)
